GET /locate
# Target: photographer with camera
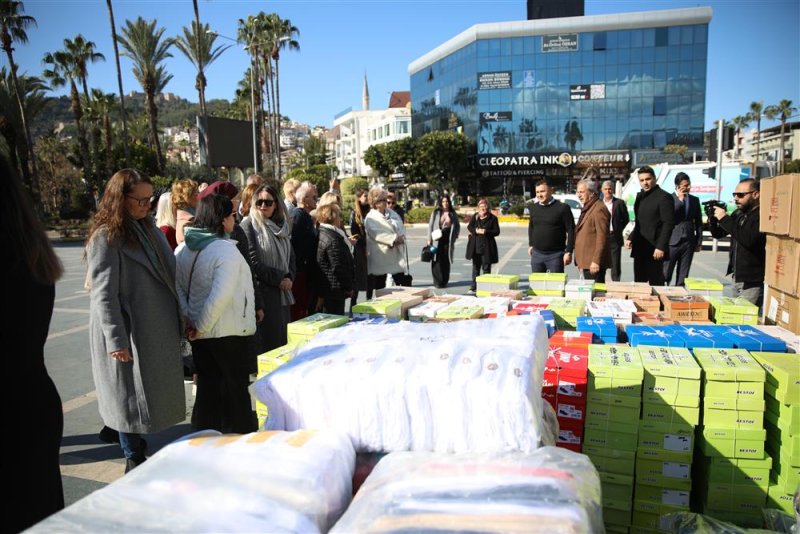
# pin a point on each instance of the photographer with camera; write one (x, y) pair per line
(748, 245)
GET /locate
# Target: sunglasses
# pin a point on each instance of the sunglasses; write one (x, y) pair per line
(142, 202)
(265, 202)
(742, 195)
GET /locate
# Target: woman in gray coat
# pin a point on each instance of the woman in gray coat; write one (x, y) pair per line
(443, 229)
(134, 322)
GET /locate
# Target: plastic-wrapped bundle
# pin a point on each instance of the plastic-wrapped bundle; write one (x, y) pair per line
(260, 482)
(456, 387)
(692, 523)
(550, 490)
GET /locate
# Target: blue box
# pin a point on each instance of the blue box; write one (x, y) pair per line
(749, 338)
(702, 336)
(549, 319)
(657, 336)
(601, 326)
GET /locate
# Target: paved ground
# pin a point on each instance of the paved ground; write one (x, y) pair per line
(88, 464)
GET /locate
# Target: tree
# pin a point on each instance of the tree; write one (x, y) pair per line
(58, 175)
(13, 26)
(756, 109)
(315, 151)
(11, 127)
(144, 45)
(281, 32)
(374, 156)
(115, 40)
(740, 122)
(248, 33)
(681, 150)
(103, 105)
(442, 156)
(199, 49)
(784, 109)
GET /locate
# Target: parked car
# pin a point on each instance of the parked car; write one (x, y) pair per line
(570, 200)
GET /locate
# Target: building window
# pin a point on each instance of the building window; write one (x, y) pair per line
(386, 130)
(662, 36)
(659, 106)
(402, 127)
(600, 41)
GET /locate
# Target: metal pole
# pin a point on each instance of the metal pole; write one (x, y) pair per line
(253, 120)
(720, 124)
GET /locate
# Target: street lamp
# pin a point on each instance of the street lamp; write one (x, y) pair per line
(252, 99)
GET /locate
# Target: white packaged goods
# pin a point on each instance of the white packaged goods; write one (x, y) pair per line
(260, 482)
(550, 490)
(463, 386)
(618, 309)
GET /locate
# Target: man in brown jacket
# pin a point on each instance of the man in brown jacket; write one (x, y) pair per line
(591, 234)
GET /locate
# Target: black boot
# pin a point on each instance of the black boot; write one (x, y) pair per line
(131, 463)
(109, 435)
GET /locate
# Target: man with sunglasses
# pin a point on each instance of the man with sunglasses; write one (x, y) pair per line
(748, 245)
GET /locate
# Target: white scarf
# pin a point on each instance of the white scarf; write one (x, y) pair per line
(275, 249)
(338, 231)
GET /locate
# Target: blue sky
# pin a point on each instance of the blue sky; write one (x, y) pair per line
(754, 48)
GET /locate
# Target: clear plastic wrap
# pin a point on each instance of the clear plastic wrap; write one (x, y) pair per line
(454, 387)
(260, 482)
(549, 490)
(691, 523)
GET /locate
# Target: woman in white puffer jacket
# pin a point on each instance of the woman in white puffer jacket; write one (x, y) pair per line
(215, 291)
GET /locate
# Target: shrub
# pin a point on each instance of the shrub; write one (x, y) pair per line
(419, 215)
(517, 209)
(349, 186)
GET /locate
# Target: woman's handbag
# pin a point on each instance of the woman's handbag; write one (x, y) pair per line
(427, 255)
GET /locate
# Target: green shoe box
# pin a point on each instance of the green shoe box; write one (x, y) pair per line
(613, 407)
(740, 419)
(628, 387)
(611, 460)
(650, 515)
(789, 414)
(733, 443)
(735, 403)
(654, 494)
(739, 471)
(628, 427)
(671, 437)
(617, 491)
(664, 474)
(783, 375)
(785, 470)
(743, 519)
(729, 365)
(735, 497)
(786, 445)
(609, 438)
(664, 413)
(778, 499)
(674, 391)
(666, 456)
(732, 390)
(612, 516)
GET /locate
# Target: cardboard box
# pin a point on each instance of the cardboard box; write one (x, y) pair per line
(630, 288)
(739, 419)
(569, 338)
(741, 471)
(617, 490)
(654, 336)
(736, 498)
(652, 521)
(780, 205)
(616, 366)
(612, 516)
(497, 282)
(791, 339)
(646, 303)
(734, 365)
(667, 475)
(778, 499)
(734, 403)
(609, 438)
(305, 329)
(789, 414)
(694, 283)
(425, 311)
(570, 432)
(652, 319)
(686, 308)
(611, 407)
(675, 291)
(733, 443)
(566, 372)
(669, 437)
(671, 375)
(782, 309)
(783, 484)
(783, 264)
(271, 360)
(740, 392)
(627, 428)
(379, 307)
(783, 374)
(611, 460)
(513, 294)
(459, 311)
(671, 497)
(784, 440)
(753, 338)
(666, 413)
(407, 301)
(423, 292)
(665, 456)
(783, 468)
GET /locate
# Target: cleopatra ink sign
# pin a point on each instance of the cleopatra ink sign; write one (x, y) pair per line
(540, 164)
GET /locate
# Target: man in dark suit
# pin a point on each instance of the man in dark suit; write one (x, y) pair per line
(619, 220)
(687, 235)
(649, 241)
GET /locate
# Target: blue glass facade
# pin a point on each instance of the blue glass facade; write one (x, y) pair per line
(626, 89)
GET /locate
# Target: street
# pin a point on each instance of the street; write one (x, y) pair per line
(88, 464)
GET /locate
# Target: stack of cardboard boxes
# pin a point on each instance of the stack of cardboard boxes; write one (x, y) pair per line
(547, 284)
(733, 436)
(726, 310)
(670, 411)
(780, 220)
(611, 431)
(487, 284)
(782, 422)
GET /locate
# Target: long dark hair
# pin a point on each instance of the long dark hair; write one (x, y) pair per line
(278, 216)
(25, 244)
(450, 207)
(359, 212)
(211, 213)
(111, 212)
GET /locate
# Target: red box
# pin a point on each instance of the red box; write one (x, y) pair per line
(570, 431)
(565, 338)
(565, 372)
(523, 308)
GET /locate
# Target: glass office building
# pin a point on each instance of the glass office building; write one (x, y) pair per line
(553, 97)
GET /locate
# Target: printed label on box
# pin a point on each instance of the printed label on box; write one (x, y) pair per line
(568, 388)
(567, 410)
(673, 442)
(675, 470)
(675, 497)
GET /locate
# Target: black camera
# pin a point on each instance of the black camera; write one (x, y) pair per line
(709, 205)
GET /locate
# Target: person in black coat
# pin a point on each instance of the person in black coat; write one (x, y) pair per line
(649, 240)
(337, 274)
(619, 220)
(481, 246)
(747, 256)
(687, 235)
(32, 406)
(304, 243)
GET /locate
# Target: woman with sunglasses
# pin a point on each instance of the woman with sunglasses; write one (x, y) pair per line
(134, 318)
(215, 290)
(270, 252)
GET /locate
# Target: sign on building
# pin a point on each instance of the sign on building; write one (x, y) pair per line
(595, 91)
(495, 116)
(564, 42)
(494, 80)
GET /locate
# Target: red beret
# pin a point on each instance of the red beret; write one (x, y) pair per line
(219, 188)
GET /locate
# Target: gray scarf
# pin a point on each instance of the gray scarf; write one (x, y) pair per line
(275, 249)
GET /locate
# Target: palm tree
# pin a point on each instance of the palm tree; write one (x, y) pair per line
(13, 26)
(248, 33)
(32, 91)
(83, 52)
(119, 83)
(756, 109)
(784, 109)
(281, 33)
(144, 45)
(62, 71)
(201, 59)
(740, 122)
(103, 105)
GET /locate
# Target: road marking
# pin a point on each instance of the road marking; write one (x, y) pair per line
(79, 402)
(105, 471)
(68, 331)
(70, 310)
(507, 256)
(83, 294)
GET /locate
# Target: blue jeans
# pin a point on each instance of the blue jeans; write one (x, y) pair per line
(541, 262)
(131, 445)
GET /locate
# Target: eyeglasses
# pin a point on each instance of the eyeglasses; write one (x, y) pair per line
(268, 202)
(742, 195)
(390, 201)
(142, 202)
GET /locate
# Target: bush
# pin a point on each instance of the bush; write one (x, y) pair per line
(419, 215)
(349, 186)
(81, 203)
(517, 209)
(792, 166)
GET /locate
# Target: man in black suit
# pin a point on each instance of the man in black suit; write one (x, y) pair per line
(619, 220)
(649, 240)
(687, 235)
